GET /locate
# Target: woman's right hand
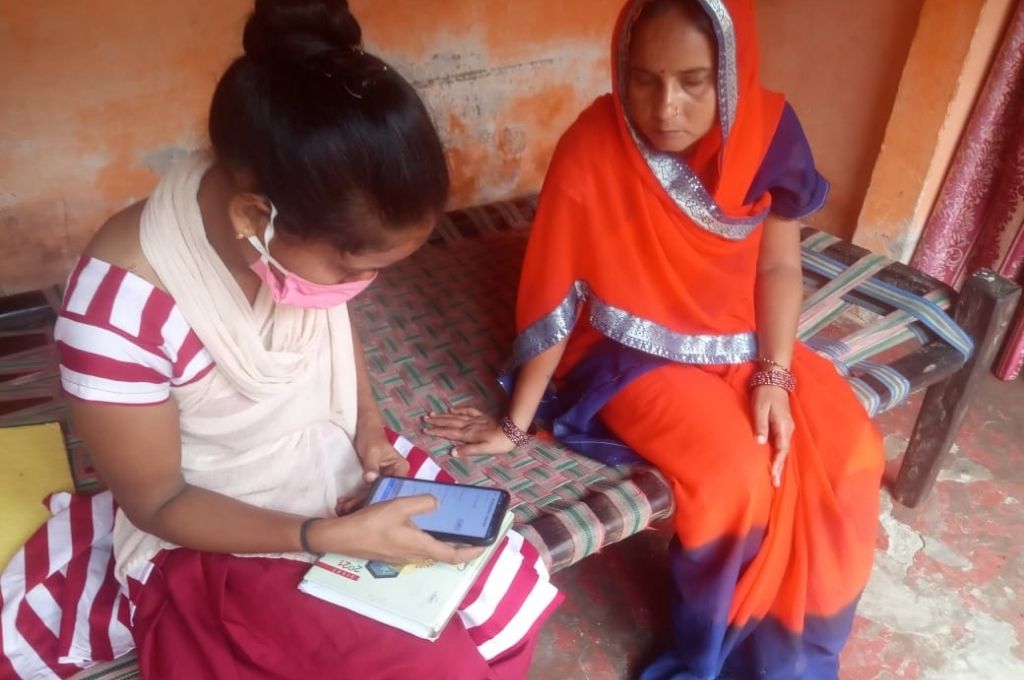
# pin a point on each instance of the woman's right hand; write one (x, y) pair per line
(385, 532)
(478, 433)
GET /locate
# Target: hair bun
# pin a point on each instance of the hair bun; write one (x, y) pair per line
(300, 32)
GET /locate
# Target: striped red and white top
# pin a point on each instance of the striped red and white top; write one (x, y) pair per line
(122, 340)
(62, 607)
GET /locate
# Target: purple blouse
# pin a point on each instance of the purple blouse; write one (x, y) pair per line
(788, 172)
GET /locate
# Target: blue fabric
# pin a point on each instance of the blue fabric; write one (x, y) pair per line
(788, 172)
(572, 411)
(706, 647)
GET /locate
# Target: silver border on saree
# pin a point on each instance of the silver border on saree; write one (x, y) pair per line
(631, 331)
(688, 192)
(728, 72)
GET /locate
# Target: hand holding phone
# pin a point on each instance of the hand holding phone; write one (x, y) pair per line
(465, 514)
(385, 532)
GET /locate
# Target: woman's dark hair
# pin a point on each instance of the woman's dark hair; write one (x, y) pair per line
(336, 138)
(692, 9)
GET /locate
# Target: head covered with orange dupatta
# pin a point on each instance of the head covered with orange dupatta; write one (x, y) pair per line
(660, 250)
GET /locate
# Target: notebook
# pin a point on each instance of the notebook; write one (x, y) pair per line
(417, 598)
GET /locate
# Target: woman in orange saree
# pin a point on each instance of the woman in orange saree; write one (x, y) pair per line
(661, 291)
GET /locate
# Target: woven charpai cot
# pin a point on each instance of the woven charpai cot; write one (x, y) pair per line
(438, 329)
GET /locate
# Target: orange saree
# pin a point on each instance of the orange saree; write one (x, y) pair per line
(647, 262)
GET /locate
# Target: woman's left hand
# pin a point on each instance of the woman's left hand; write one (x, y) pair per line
(773, 422)
(479, 433)
(378, 457)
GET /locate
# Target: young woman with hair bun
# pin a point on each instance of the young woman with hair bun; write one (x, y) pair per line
(214, 376)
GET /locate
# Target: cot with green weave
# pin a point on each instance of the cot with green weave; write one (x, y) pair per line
(438, 329)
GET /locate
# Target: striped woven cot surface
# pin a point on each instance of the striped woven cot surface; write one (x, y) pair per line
(125, 668)
(438, 328)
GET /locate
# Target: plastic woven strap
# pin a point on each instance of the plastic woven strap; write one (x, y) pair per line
(887, 332)
(896, 384)
(869, 341)
(851, 354)
(825, 313)
(866, 395)
(919, 308)
(832, 349)
(572, 531)
(825, 304)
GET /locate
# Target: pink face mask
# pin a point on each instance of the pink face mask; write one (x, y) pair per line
(290, 289)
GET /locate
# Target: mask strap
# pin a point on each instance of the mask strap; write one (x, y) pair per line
(263, 247)
(268, 233)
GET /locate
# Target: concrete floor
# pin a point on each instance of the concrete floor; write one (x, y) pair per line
(945, 600)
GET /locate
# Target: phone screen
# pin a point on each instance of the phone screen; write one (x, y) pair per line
(461, 510)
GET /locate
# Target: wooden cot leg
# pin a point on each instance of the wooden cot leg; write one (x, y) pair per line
(984, 309)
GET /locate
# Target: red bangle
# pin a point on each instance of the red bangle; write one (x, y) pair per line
(514, 434)
(773, 378)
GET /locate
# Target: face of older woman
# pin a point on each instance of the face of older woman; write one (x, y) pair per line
(671, 90)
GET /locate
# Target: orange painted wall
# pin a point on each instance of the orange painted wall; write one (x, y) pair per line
(98, 100)
(839, 62)
(97, 97)
(504, 78)
(948, 63)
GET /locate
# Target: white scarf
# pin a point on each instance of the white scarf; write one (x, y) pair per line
(272, 424)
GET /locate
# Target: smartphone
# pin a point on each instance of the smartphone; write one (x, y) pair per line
(465, 514)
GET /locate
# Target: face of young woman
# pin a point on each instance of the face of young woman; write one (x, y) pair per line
(671, 87)
(315, 261)
(323, 264)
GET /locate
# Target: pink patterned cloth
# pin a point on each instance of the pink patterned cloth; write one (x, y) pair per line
(979, 218)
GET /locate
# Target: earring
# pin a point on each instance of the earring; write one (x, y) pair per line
(240, 236)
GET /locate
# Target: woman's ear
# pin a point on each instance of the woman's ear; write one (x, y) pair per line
(249, 214)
